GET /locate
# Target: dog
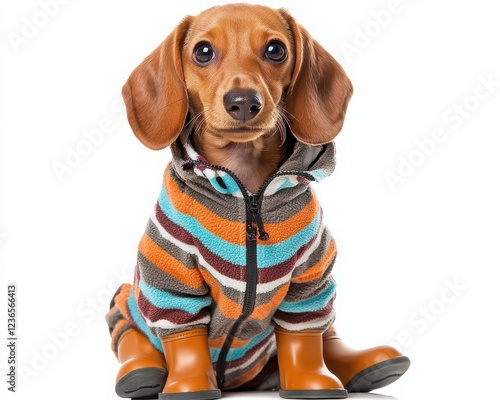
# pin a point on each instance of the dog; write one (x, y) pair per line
(233, 287)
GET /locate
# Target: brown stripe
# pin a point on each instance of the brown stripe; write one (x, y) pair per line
(178, 317)
(233, 271)
(297, 318)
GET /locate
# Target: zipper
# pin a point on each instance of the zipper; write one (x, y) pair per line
(248, 302)
(253, 225)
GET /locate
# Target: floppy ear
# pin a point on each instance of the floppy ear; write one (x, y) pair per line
(319, 92)
(155, 94)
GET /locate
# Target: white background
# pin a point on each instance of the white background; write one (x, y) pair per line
(67, 243)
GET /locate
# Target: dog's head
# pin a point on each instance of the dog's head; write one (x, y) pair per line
(240, 71)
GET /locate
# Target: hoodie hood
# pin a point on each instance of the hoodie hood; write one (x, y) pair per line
(306, 164)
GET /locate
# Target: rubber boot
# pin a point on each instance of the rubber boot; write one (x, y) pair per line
(362, 370)
(303, 373)
(190, 371)
(143, 370)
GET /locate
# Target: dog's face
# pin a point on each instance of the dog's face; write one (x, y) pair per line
(238, 71)
(237, 67)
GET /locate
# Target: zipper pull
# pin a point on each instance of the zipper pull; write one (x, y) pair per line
(255, 211)
(251, 232)
(263, 235)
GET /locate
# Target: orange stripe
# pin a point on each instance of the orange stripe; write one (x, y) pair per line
(228, 308)
(233, 232)
(236, 343)
(284, 230)
(217, 343)
(319, 268)
(164, 260)
(230, 231)
(262, 312)
(121, 299)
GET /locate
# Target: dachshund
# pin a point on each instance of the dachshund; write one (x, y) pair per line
(233, 287)
(240, 83)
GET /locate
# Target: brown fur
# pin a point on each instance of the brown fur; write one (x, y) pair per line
(308, 91)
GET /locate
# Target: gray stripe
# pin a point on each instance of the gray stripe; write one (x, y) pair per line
(161, 280)
(199, 188)
(318, 254)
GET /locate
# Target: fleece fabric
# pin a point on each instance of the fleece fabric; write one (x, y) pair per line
(191, 269)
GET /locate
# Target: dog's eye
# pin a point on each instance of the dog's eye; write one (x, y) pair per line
(203, 53)
(275, 52)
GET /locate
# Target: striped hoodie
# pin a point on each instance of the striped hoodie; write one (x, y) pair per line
(238, 263)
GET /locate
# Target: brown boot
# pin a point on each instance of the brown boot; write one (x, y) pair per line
(362, 370)
(143, 370)
(190, 371)
(303, 373)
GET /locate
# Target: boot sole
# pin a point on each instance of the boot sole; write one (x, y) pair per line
(201, 395)
(379, 375)
(314, 394)
(144, 383)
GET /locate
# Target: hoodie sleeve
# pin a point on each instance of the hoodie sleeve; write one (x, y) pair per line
(308, 304)
(171, 293)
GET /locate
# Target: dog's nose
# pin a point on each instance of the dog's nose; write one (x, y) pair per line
(242, 104)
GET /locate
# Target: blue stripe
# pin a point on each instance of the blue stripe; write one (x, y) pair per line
(141, 324)
(286, 184)
(273, 254)
(238, 353)
(227, 251)
(318, 174)
(267, 255)
(315, 303)
(166, 300)
(229, 182)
